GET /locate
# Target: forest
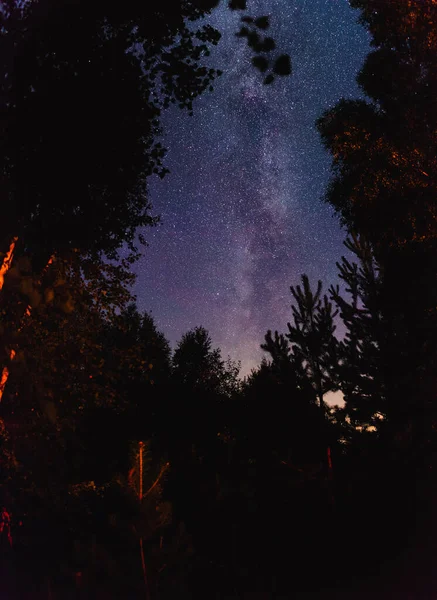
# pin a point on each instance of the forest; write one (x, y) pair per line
(132, 470)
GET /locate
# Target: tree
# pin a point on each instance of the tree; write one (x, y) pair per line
(279, 422)
(253, 28)
(361, 352)
(197, 418)
(384, 187)
(279, 349)
(138, 356)
(71, 413)
(143, 344)
(156, 349)
(200, 368)
(383, 166)
(312, 338)
(79, 123)
(204, 387)
(79, 127)
(79, 132)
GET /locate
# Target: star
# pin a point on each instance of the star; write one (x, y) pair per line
(241, 208)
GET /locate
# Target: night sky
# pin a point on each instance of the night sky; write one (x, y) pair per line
(241, 210)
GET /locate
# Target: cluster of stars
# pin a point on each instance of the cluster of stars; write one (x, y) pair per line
(242, 215)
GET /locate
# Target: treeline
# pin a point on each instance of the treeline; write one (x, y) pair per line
(118, 453)
(129, 471)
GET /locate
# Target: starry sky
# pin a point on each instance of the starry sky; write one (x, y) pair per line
(241, 209)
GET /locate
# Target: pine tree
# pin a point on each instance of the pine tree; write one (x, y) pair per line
(200, 368)
(279, 421)
(361, 370)
(279, 350)
(312, 338)
(155, 349)
(305, 366)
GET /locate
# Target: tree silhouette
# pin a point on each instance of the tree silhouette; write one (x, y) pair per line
(79, 123)
(383, 177)
(312, 337)
(155, 348)
(384, 188)
(72, 411)
(198, 367)
(361, 353)
(79, 135)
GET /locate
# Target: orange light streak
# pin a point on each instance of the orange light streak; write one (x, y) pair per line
(3, 270)
(5, 374)
(155, 483)
(7, 261)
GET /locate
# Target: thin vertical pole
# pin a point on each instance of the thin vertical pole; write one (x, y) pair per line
(143, 564)
(141, 444)
(140, 496)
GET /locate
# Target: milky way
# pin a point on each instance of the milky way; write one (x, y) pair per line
(241, 210)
